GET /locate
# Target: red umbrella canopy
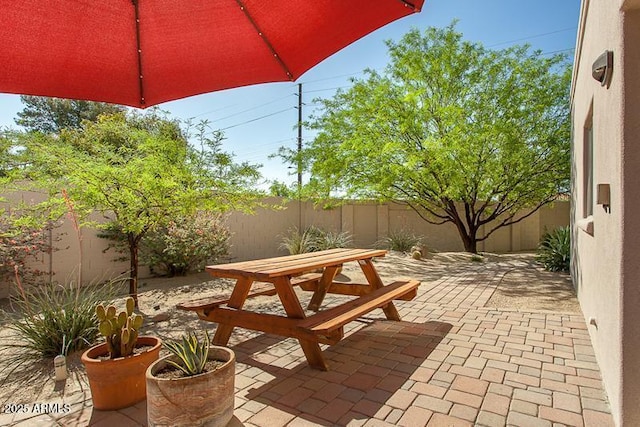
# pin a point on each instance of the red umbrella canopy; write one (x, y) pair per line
(144, 52)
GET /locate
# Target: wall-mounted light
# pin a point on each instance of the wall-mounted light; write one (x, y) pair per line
(603, 196)
(602, 68)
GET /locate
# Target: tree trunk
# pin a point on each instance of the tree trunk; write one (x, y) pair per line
(133, 267)
(469, 239)
(471, 245)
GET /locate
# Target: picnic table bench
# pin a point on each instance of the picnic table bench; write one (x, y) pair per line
(279, 276)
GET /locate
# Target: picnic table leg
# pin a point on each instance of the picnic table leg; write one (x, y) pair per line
(376, 283)
(293, 308)
(238, 297)
(323, 286)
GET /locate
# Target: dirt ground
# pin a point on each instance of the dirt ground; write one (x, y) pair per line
(524, 286)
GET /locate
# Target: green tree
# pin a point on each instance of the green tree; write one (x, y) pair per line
(140, 171)
(460, 133)
(51, 115)
(280, 189)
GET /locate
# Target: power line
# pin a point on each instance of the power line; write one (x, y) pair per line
(326, 89)
(332, 78)
(558, 51)
(215, 111)
(261, 146)
(257, 118)
(533, 37)
(356, 73)
(253, 108)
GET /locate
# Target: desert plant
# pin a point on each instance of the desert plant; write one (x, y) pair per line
(554, 250)
(120, 330)
(399, 240)
(186, 244)
(191, 353)
(330, 240)
(52, 319)
(300, 242)
(20, 243)
(313, 239)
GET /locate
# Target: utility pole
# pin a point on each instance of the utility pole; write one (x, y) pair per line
(299, 160)
(299, 135)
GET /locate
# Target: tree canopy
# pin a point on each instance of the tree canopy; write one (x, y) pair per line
(51, 115)
(460, 133)
(141, 171)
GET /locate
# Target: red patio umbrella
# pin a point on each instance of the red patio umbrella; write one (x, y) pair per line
(144, 52)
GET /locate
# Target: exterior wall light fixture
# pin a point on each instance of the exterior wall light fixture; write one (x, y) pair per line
(602, 68)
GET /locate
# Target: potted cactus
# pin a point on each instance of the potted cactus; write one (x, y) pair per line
(193, 386)
(116, 368)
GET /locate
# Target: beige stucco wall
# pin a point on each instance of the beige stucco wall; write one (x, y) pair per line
(65, 261)
(605, 265)
(258, 235)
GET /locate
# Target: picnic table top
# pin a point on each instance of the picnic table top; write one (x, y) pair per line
(270, 268)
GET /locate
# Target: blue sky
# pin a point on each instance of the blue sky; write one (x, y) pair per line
(257, 120)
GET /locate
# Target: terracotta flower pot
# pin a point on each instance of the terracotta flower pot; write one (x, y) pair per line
(201, 400)
(118, 383)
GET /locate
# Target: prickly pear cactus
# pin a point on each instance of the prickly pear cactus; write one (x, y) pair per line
(119, 329)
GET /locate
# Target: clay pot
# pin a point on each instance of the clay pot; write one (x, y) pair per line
(118, 383)
(201, 400)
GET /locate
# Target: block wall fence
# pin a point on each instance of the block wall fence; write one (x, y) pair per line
(258, 235)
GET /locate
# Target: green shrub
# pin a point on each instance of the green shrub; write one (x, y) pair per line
(186, 244)
(299, 242)
(18, 245)
(330, 240)
(399, 240)
(313, 239)
(554, 251)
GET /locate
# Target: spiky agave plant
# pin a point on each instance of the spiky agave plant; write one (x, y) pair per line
(554, 251)
(191, 353)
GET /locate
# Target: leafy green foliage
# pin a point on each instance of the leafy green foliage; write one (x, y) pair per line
(192, 354)
(554, 251)
(51, 115)
(186, 244)
(400, 240)
(313, 239)
(460, 133)
(280, 189)
(141, 171)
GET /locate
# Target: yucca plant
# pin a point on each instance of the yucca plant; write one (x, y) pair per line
(554, 251)
(331, 240)
(300, 242)
(56, 319)
(191, 353)
(399, 240)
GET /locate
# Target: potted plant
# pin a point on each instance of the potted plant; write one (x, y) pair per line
(116, 368)
(193, 386)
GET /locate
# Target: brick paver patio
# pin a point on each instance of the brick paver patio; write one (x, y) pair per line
(450, 362)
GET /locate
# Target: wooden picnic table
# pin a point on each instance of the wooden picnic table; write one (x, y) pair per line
(279, 276)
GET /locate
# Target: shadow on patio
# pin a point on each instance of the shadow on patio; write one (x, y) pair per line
(367, 369)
